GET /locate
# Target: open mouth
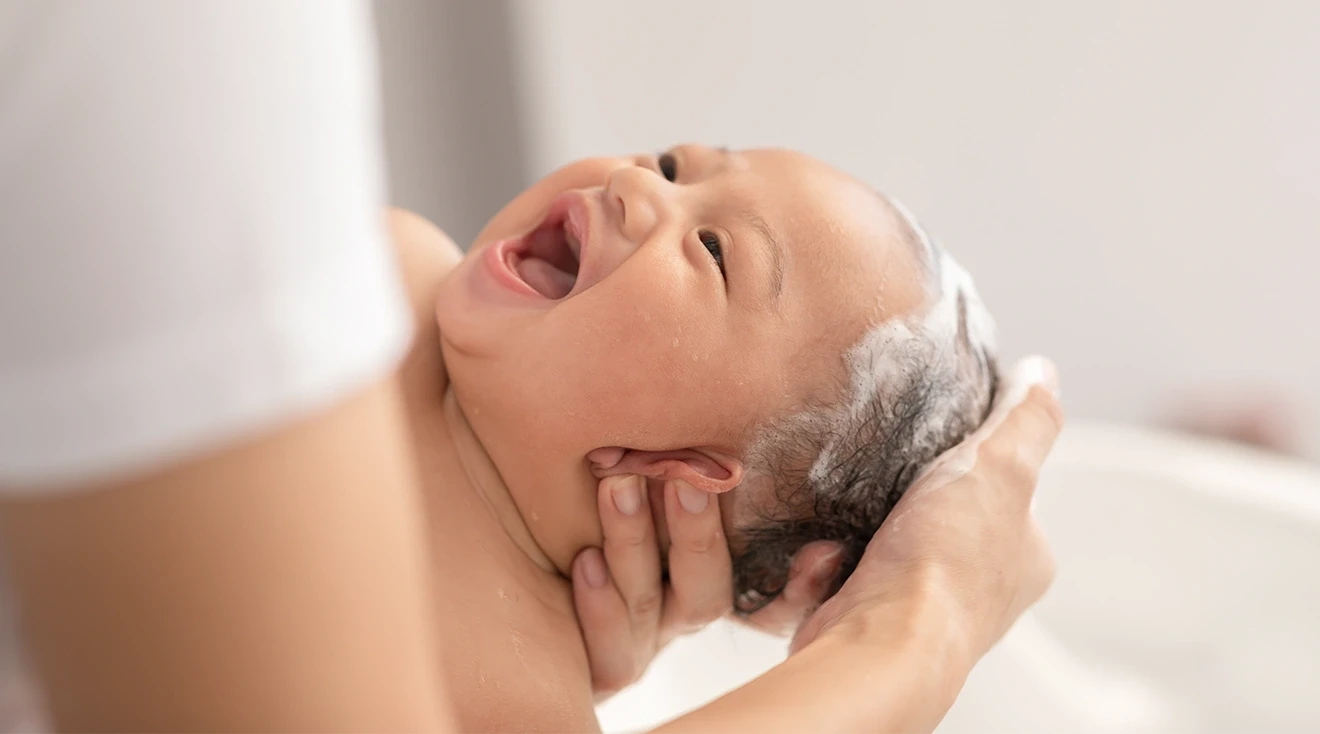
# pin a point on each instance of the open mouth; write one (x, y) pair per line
(549, 256)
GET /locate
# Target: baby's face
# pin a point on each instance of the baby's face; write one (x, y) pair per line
(671, 303)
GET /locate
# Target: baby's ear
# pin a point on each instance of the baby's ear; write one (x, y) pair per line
(705, 469)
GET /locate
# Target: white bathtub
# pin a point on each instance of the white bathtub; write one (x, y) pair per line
(1186, 601)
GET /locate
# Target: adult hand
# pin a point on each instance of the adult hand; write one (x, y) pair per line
(962, 543)
(950, 570)
(627, 611)
(962, 537)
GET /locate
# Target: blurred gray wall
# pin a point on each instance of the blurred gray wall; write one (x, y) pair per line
(452, 118)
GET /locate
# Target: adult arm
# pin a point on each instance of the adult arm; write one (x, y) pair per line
(207, 498)
(275, 585)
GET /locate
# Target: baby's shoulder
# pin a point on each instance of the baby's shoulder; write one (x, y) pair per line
(423, 249)
(514, 658)
(425, 256)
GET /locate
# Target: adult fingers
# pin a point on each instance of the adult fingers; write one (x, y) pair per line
(810, 578)
(1031, 428)
(631, 552)
(1026, 410)
(606, 626)
(700, 569)
(1024, 434)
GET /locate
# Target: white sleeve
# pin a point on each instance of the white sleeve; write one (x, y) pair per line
(192, 239)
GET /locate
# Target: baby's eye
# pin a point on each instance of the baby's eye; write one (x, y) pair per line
(668, 166)
(712, 243)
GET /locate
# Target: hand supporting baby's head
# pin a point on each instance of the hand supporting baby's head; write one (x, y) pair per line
(717, 317)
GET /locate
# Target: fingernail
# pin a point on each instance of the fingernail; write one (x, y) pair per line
(627, 494)
(692, 499)
(1036, 370)
(593, 568)
(827, 568)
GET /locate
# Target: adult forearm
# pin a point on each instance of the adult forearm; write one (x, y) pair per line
(278, 584)
(894, 676)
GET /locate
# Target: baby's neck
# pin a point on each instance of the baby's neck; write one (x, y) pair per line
(484, 480)
(511, 648)
(465, 498)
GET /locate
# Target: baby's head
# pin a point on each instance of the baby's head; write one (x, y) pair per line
(755, 323)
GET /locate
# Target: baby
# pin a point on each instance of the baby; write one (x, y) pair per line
(756, 324)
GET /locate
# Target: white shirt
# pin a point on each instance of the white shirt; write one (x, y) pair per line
(192, 243)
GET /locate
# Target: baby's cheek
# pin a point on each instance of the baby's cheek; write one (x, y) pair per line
(721, 406)
(743, 406)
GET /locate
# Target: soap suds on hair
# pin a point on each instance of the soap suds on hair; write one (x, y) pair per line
(913, 388)
(884, 358)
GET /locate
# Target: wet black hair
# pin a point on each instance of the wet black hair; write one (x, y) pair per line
(838, 478)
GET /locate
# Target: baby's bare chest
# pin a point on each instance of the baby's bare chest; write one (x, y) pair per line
(511, 664)
(511, 649)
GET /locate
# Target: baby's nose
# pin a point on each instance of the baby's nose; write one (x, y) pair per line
(635, 197)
